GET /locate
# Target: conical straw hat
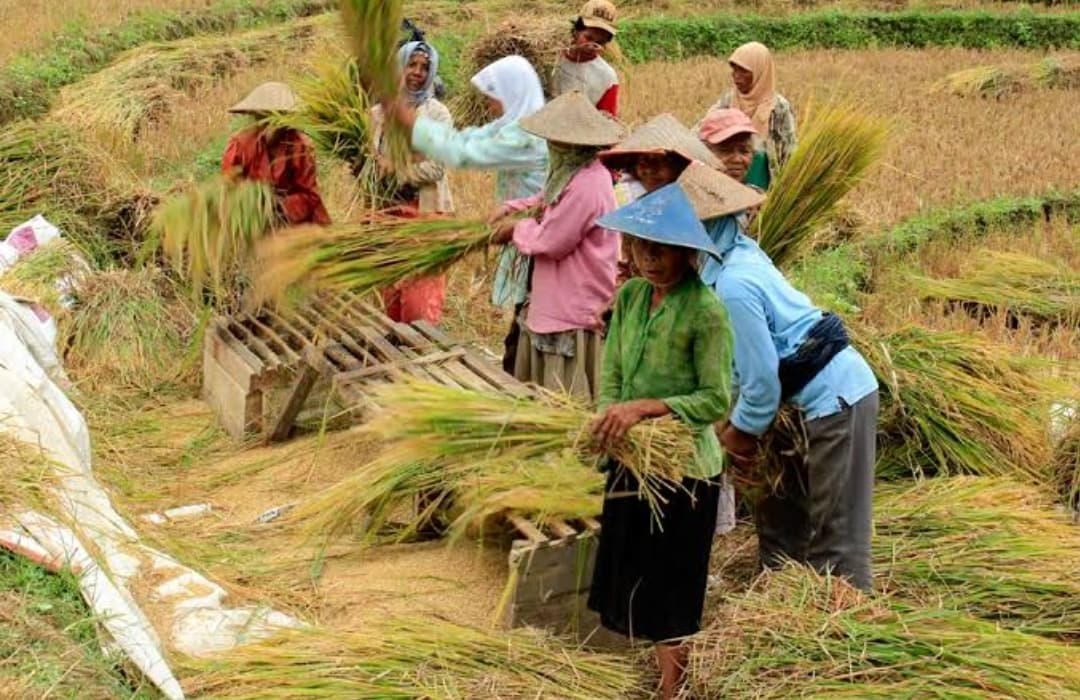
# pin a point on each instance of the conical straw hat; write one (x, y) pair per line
(573, 120)
(715, 194)
(659, 135)
(268, 97)
(665, 216)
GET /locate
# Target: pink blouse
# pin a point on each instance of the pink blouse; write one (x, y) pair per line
(574, 260)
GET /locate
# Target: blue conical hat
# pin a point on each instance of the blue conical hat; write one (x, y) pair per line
(664, 216)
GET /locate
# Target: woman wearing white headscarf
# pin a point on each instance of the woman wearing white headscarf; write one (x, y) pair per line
(519, 159)
(419, 189)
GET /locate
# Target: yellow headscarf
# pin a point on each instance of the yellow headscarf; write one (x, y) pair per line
(759, 101)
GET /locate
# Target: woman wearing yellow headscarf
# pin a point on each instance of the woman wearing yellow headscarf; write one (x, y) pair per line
(755, 94)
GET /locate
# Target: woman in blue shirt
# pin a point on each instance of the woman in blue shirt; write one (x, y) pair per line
(788, 350)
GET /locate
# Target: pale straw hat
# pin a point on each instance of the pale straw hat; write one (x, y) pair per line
(714, 194)
(573, 120)
(659, 135)
(600, 14)
(268, 97)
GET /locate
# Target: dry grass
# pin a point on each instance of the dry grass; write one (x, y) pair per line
(945, 150)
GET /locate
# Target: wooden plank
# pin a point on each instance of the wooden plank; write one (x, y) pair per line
(383, 324)
(231, 402)
(561, 528)
(283, 324)
(313, 367)
(592, 523)
(527, 528)
(235, 360)
(249, 339)
(271, 335)
(390, 367)
(554, 568)
(331, 331)
(491, 373)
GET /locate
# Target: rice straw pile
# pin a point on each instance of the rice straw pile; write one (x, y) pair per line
(361, 257)
(1011, 282)
(837, 147)
(142, 85)
(982, 81)
(373, 28)
(1057, 73)
(475, 445)
(412, 659)
(957, 404)
(48, 169)
(127, 329)
(1067, 466)
(990, 547)
(209, 233)
(796, 634)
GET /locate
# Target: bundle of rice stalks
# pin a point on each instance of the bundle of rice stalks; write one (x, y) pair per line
(982, 81)
(209, 233)
(1056, 73)
(799, 635)
(442, 437)
(360, 257)
(128, 329)
(46, 168)
(1011, 282)
(1067, 466)
(838, 146)
(141, 87)
(373, 28)
(957, 404)
(46, 275)
(412, 659)
(783, 448)
(539, 41)
(990, 547)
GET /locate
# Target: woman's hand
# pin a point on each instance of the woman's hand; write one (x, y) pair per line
(497, 213)
(742, 447)
(616, 421)
(503, 233)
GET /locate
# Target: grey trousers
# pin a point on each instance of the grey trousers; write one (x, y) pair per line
(823, 517)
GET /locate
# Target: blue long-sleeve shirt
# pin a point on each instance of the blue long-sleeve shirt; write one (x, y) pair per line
(770, 319)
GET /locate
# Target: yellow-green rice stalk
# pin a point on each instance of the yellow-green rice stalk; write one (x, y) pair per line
(1011, 282)
(837, 147)
(982, 81)
(1057, 73)
(209, 233)
(957, 404)
(1067, 466)
(990, 547)
(412, 659)
(361, 257)
(796, 634)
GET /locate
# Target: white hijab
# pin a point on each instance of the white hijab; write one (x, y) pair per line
(513, 82)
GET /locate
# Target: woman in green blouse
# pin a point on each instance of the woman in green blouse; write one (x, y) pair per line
(668, 352)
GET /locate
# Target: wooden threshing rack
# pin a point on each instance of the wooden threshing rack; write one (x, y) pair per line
(266, 373)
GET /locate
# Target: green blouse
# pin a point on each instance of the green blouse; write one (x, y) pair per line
(758, 174)
(681, 353)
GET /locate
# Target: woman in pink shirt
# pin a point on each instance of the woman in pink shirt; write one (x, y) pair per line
(574, 260)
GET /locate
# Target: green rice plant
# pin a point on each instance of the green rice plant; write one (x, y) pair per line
(990, 547)
(210, 230)
(983, 81)
(1012, 282)
(373, 28)
(127, 329)
(837, 147)
(46, 168)
(142, 86)
(796, 634)
(361, 257)
(476, 445)
(412, 659)
(957, 404)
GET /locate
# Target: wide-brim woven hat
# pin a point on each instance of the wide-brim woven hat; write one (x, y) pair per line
(573, 120)
(665, 216)
(600, 14)
(715, 194)
(661, 134)
(268, 97)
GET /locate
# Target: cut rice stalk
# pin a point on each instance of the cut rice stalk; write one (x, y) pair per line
(361, 257)
(836, 149)
(799, 635)
(413, 659)
(990, 547)
(982, 81)
(1067, 466)
(1057, 73)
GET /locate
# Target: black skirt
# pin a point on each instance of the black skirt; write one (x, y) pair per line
(650, 583)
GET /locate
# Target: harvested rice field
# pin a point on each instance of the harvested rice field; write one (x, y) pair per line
(423, 525)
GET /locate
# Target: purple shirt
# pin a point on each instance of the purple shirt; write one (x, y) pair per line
(574, 260)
